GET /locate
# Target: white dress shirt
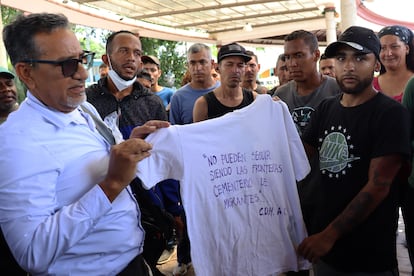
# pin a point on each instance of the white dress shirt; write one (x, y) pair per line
(55, 217)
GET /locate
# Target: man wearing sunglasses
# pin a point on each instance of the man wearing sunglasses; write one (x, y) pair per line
(65, 207)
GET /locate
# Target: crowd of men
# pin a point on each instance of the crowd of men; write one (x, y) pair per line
(69, 186)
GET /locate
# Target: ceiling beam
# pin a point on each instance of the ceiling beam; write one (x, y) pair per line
(268, 24)
(245, 17)
(84, 1)
(212, 7)
(272, 30)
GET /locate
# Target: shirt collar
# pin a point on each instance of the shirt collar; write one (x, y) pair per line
(57, 118)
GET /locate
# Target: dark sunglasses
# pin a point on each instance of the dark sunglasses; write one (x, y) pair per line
(69, 66)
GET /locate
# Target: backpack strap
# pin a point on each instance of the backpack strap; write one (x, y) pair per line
(101, 127)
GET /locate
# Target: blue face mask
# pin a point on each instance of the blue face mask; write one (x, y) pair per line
(119, 82)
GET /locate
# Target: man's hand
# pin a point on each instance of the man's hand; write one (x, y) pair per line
(382, 171)
(316, 246)
(276, 98)
(148, 128)
(123, 165)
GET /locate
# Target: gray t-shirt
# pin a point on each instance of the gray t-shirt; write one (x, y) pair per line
(302, 107)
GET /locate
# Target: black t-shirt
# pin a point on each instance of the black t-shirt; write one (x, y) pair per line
(217, 109)
(347, 138)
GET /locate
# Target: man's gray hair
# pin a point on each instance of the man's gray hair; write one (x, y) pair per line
(198, 47)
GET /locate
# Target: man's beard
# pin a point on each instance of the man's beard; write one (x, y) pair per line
(359, 88)
(74, 103)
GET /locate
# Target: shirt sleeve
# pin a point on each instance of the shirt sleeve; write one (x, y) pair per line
(174, 110)
(301, 163)
(408, 100)
(160, 113)
(36, 228)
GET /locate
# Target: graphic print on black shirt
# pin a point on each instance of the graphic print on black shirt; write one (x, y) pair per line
(335, 152)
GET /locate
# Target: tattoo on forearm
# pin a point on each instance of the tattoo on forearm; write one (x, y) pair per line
(354, 213)
(378, 182)
(359, 208)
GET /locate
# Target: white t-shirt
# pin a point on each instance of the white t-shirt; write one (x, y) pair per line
(238, 185)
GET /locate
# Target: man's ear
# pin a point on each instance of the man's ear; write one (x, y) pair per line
(24, 71)
(105, 59)
(317, 54)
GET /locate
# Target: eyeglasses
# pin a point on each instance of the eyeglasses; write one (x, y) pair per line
(69, 66)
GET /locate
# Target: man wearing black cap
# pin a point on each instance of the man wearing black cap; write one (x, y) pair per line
(8, 94)
(362, 138)
(232, 59)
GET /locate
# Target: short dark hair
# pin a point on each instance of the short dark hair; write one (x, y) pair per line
(309, 38)
(252, 54)
(112, 36)
(19, 35)
(281, 57)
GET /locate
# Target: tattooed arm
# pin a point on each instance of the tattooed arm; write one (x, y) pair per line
(382, 171)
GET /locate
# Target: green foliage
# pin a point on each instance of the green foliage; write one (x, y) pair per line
(173, 62)
(8, 14)
(91, 39)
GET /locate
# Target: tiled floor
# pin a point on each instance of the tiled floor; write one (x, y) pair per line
(404, 264)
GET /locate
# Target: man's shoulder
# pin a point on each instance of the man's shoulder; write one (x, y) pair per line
(138, 90)
(96, 89)
(183, 89)
(181, 93)
(285, 88)
(330, 81)
(92, 88)
(167, 90)
(42, 120)
(388, 102)
(143, 94)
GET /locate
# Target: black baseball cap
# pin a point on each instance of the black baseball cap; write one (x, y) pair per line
(232, 49)
(362, 39)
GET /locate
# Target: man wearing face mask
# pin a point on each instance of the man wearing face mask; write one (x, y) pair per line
(120, 100)
(123, 103)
